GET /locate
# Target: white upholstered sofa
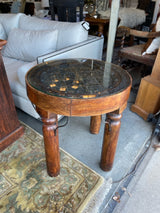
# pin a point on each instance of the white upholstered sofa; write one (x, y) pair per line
(32, 40)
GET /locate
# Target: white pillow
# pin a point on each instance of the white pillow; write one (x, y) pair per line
(69, 33)
(27, 45)
(3, 35)
(9, 21)
(21, 72)
(153, 47)
(155, 44)
(158, 25)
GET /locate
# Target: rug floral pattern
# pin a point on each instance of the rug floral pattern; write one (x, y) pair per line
(25, 186)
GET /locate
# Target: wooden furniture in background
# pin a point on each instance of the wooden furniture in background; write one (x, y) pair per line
(134, 52)
(101, 23)
(66, 10)
(79, 87)
(148, 97)
(10, 128)
(5, 7)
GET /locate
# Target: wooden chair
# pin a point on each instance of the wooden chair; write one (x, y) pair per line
(134, 53)
(66, 9)
(148, 96)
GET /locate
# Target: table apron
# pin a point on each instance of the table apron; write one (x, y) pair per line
(78, 107)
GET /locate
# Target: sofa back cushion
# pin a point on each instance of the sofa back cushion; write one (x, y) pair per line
(9, 21)
(69, 33)
(27, 45)
(3, 35)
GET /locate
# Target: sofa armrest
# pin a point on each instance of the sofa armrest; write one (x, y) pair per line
(91, 48)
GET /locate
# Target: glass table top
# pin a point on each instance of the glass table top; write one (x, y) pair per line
(78, 78)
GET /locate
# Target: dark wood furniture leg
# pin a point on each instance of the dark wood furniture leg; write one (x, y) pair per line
(95, 124)
(51, 142)
(111, 133)
(10, 127)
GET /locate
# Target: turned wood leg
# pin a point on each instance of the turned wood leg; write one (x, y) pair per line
(95, 124)
(51, 141)
(111, 133)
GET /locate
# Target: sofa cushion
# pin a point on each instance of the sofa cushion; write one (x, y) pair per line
(69, 33)
(28, 45)
(3, 35)
(22, 70)
(11, 66)
(9, 21)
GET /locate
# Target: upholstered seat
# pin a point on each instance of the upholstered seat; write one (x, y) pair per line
(134, 53)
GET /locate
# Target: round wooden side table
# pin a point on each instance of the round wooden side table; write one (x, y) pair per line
(79, 87)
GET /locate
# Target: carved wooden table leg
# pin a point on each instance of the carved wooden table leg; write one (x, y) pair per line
(95, 124)
(51, 142)
(111, 133)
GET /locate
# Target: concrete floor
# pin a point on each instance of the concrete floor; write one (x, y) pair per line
(142, 193)
(76, 140)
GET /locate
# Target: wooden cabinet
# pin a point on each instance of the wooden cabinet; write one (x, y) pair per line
(148, 97)
(10, 128)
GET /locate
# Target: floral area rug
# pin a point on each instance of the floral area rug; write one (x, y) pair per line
(25, 186)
